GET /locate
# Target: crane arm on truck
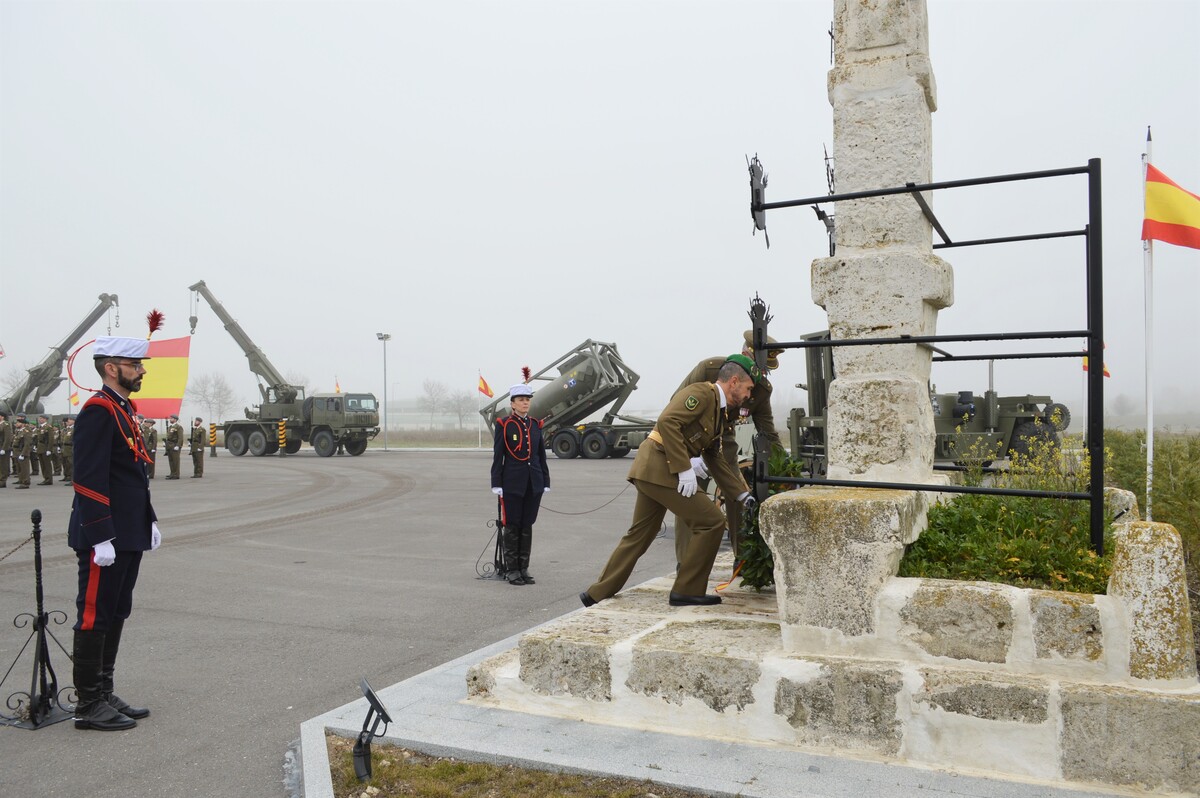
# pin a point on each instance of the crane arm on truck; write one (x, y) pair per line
(278, 389)
(46, 376)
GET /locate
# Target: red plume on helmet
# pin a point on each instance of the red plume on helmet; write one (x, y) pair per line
(154, 320)
(526, 374)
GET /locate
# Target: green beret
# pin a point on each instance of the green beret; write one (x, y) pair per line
(747, 366)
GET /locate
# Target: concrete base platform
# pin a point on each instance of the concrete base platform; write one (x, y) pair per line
(433, 715)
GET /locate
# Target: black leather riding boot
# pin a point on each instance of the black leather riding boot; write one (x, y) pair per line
(512, 555)
(111, 644)
(526, 543)
(92, 711)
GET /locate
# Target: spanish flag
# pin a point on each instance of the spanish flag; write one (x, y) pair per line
(74, 398)
(484, 388)
(166, 377)
(1172, 214)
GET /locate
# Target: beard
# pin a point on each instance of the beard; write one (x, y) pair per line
(132, 385)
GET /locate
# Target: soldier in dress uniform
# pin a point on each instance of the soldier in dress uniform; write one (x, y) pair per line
(173, 441)
(45, 441)
(56, 450)
(757, 409)
(196, 445)
(519, 478)
(686, 437)
(112, 524)
(66, 443)
(150, 433)
(6, 444)
(33, 458)
(22, 451)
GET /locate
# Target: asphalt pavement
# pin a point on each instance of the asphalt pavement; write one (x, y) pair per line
(281, 582)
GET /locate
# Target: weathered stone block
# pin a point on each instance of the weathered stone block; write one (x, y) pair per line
(481, 677)
(1148, 574)
(834, 549)
(850, 705)
(1122, 505)
(572, 657)
(716, 662)
(864, 443)
(986, 695)
(963, 620)
(1129, 737)
(1065, 625)
(863, 28)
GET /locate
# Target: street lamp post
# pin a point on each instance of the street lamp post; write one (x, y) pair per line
(385, 337)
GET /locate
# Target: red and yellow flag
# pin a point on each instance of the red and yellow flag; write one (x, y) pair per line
(74, 398)
(166, 377)
(337, 386)
(1106, 372)
(484, 388)
(1172, 214)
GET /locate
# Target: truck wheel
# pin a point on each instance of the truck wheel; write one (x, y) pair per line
(356, 447)
(256, 441)
(1027, 434)
(292, 446)
(565, 446)
(595, 447)
(323, 443)
(1058, 416)
(235, 442)
(619, 451)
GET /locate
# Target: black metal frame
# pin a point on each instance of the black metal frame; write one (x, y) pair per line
(43, 704)
(1094, 334)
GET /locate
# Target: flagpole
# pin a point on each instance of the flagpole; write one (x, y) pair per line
(479, 408)
(1148, 289)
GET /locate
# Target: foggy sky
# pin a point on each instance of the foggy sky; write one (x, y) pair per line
(494, 183)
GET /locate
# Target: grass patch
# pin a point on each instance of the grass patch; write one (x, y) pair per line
(400, 772)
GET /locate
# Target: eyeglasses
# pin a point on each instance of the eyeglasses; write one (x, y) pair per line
(136, 365)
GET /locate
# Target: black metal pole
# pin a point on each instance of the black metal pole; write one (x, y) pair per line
(1095, 376)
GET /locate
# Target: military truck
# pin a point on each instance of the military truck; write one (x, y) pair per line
(970, 428)
(327, 420)
(43, 378)
(578, 385)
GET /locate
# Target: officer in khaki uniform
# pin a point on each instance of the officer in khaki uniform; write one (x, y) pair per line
(66, 445)
(173, 441)
(6, 444)
(32, 457)
(757, 409)
(56, 450)
(22, 451)
(196, 446)
(686, 435)
(45, 441)
(150, 435)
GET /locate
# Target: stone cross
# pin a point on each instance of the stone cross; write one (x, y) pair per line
(885, 280)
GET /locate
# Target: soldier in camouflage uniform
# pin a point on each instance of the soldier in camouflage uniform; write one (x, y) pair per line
(196, 445)
(45, 441)
(31, 429)
(66, 445)
(22, 450)
(6, 443)
(56, 449)
(173, 441)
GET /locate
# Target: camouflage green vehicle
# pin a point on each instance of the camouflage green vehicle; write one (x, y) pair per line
(970, 428)
(286, 417)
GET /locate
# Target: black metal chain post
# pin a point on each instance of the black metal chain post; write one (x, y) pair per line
(41, 706)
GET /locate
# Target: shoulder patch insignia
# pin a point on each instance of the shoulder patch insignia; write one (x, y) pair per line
(691, 403)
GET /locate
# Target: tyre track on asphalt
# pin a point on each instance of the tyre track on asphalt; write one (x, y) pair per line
(392, 487)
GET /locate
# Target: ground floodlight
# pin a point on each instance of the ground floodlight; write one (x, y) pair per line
(376, 714)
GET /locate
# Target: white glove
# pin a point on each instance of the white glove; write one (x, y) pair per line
(687, 483)
(176, 448)
(2, 452)
(545, 490)
(747, 499)
(20, 457)
(47, 452)
(155, 536)
(104, 553)
(699, 468)
(498, 491)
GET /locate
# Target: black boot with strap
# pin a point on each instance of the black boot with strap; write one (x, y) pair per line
(111, 645)
(92, 711)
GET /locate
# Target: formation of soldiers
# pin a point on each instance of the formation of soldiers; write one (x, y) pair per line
(46, 448)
